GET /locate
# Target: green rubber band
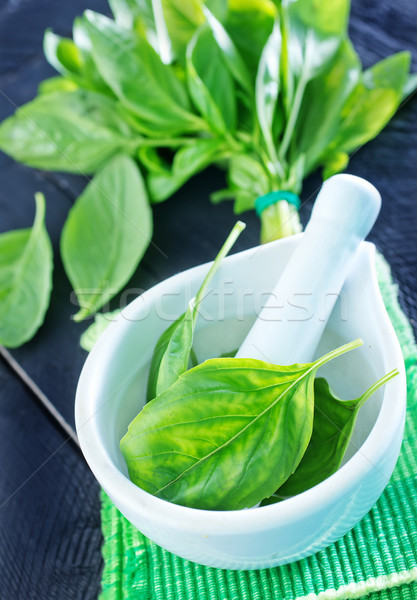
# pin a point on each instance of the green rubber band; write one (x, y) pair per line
(273, 197)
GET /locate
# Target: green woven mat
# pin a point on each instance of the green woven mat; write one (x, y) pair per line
(377, 558)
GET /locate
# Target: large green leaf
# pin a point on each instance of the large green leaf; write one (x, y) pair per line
(26, 264)
(136, 74)
(210, 83)
(74, 131)
(226, 434)
(106, 234)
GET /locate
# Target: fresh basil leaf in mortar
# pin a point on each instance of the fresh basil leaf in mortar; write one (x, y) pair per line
(210, 83)
(106, 234)
(174, 347)
(334, 420)
(138, 77)
(188, 161)
(26, 264)
(101, 321)
(226, 434)
(67, 131)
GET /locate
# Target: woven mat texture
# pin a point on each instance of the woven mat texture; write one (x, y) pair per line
(377, 559)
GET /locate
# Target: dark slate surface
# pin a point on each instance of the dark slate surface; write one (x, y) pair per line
(49, 510)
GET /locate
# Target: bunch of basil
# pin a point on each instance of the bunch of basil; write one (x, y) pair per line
(268, 90)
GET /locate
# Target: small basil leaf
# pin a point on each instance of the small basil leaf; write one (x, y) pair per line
(89, 77)
(66, 131)
(248, 177)
(373, 102)
(225, 433)
(172, 352)
(334, 163)
(26, 265)
(94, 331)
(174, 348)
(62, 53)
(188, 161)
(334, 420)
(106, 234)
(210, 83)
(136, 74)
(56, 84)
(151, 159)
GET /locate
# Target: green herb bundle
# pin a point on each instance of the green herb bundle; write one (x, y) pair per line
(269, 91)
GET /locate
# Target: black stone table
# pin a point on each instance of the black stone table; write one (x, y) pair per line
(50, 535)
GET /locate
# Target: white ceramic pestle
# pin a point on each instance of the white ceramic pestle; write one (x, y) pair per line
(289, 326)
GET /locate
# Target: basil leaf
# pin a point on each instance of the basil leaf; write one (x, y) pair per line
(249, 25)
(188, 161)
(174, 347)
(182, 19)
(248, 177)
(172, 353)
(94, 331)
(323, 101)
(231, 54)
(329, 17)
(133, 14)
(89, 78)
(62, 53)
(226, 434)
(373, 102)
(210, 83)
(267, 89)
(136, 74)
(334, 420)
(26, 265)
(66, 131)
(56, 84)
(106, 234)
